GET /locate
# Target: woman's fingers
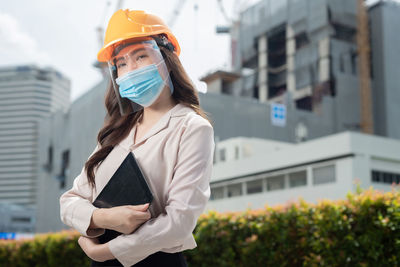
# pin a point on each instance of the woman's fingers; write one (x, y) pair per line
(139, 207)
(126, 219)
(142, 215)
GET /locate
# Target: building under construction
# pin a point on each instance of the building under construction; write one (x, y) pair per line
(315, 53)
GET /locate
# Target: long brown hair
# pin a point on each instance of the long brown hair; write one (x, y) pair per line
(116, 127)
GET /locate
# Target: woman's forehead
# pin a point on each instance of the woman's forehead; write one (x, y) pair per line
(128, 48)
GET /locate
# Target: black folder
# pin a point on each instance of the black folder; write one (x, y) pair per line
(127, 186)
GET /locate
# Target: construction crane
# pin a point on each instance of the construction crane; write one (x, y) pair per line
(100, 29)
(233, 28)
(175, 13)
(364, 67)
(238, 6)
(100, 33)
(222, 9)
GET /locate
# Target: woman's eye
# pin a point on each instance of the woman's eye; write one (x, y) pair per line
(141, 57)
(120, 65)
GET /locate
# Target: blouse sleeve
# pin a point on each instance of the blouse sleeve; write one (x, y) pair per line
(188, 194)
(76, 208)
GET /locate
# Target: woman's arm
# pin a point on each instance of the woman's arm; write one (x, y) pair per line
(94, 250)
(76, 208)
(98, 219)
(124, 219)
(188, 194)
(77, 211)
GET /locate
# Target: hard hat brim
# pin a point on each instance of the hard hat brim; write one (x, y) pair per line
(105, 53)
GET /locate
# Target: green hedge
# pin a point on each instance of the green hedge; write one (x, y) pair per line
(363, 230)
(53, 249)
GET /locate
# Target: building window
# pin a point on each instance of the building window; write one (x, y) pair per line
(222, 154)
(247, 151)
(344, 33)
(354, 59)
(376, 176)
(388, 178)
(254, 186)
(49, 165)
(277, 75)
(298, 179)
(385, 177)
(234, 190)
(255, 91)
(64, 168)
(236, 152)
(341, 63)
(324, 175)
(21, 219)
(217, 193)
(304, 103)
(301, 40)
(275, 183)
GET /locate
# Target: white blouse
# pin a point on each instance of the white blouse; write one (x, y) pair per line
(176, 156)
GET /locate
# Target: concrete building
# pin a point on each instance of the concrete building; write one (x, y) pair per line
(306, 51)
(27, 94)
(66, 140)
(237, 116)
(251, 172)
(298, 47)
(16, 219)
(384, 18)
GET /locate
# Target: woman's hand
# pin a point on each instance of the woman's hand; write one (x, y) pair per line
(94, 250)
(124, 219)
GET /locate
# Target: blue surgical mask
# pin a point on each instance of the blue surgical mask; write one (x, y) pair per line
(142, 86)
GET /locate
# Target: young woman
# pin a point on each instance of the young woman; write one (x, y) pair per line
(153, 112)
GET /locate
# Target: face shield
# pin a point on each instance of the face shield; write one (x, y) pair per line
(139, 75)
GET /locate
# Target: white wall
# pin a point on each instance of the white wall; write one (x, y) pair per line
(354, 156)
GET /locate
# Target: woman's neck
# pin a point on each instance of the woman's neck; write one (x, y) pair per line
(162, 105)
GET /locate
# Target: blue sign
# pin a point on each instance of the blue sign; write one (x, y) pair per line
(278, 114)
(7, 235)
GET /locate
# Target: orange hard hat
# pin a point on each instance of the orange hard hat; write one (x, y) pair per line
(128, 24)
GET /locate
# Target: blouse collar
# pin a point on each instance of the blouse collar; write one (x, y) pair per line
(177, 111)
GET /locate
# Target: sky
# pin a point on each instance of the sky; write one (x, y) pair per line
(62, 34)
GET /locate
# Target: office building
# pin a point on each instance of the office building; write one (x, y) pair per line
(27, 95)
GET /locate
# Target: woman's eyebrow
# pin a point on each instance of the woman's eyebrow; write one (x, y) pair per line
(131, 54)
(118, 59)
(136, 51)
